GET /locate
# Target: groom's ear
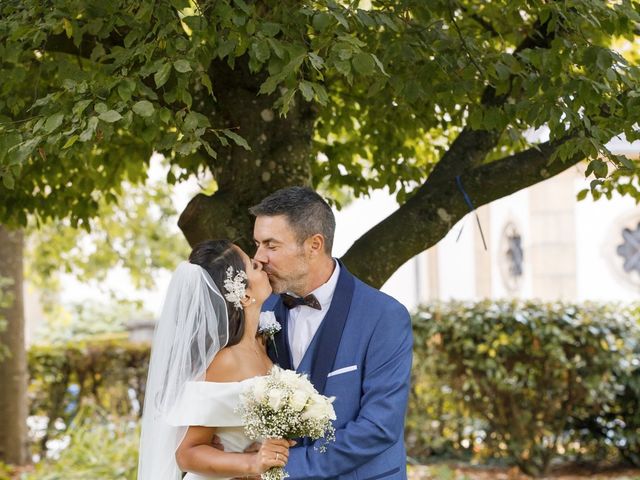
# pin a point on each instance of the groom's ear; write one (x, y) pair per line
(316, 244)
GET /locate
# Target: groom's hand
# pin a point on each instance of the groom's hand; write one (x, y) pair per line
(253, 448)
(216, 443)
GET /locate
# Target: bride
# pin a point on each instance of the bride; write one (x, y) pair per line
(205, 353)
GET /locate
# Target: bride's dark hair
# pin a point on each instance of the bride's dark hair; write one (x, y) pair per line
(216, 256)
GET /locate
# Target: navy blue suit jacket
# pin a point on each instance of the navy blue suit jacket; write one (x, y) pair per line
(362, 356)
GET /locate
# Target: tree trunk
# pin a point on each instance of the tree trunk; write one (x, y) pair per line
(280, 156)
(13, 369)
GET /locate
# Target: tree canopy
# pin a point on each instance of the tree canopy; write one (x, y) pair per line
(427, 98)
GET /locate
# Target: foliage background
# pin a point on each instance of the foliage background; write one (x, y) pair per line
(511, 383)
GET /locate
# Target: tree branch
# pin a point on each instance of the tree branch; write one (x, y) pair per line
(425, 219)
(471, 146)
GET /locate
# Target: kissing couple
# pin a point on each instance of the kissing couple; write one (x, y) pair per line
(353, 341)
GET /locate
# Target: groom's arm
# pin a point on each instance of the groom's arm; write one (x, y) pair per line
(380, 422)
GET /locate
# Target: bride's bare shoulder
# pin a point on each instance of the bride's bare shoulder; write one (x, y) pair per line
(225, 367)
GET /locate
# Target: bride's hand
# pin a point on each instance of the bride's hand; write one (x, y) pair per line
(274, 452)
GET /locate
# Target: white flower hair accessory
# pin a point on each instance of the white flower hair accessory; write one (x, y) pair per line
(235, 287)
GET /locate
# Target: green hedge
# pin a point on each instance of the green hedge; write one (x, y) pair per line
(514, 382)
(107, 373)
(525, 382)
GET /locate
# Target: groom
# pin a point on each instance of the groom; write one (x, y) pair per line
(354, 341)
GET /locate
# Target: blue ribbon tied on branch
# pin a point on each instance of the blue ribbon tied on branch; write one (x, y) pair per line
(472, 209)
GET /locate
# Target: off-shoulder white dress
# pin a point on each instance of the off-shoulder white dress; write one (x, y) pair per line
(211, 404)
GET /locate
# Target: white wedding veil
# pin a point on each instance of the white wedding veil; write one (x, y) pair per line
(193, 327)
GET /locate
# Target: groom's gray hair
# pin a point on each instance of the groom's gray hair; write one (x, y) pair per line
(306, 211)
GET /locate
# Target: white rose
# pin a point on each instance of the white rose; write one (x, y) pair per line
(319, 408)
(315, 411)
(299, 400)
(276, 398)
(290, 377)
(260, 389)
(303, 383)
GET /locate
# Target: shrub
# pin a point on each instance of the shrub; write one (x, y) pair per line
(505, 379)
(109, 373)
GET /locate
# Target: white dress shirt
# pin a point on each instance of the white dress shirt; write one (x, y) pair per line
(304, 321)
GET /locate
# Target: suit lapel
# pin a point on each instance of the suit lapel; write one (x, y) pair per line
(281, 355)
(331, 329)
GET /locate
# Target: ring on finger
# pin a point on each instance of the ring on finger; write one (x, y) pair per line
(277, 456)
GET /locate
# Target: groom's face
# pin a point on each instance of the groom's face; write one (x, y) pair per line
(281, 254)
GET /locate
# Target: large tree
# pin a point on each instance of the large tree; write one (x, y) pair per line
(427, 98)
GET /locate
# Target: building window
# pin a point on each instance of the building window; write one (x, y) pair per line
(629, 250)
(511, 258)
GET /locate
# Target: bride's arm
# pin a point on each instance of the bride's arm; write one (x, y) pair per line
(196, 454)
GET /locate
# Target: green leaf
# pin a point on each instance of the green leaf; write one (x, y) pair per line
(182, 66)
(277, 47)
(502, 71)
(7, 142)
(126, 88)
(70, 141)
(68, 27)
(363, 63)
(599, 168)
(190, 121)
(7, 180)
(162, 75)
(270, 29)
(212, 153)
(90, 130)
(53, 122)
(316, 60)
(80, 106)
(306, 88)
(144, 108)
(285, 101)
(582, 194)
(226, 47)
(206, 81)
(131, 38)
(165, 115)
(321, 21)
(270, 84)
(101, 107)
(243, 6)
(110, 116)
(626, 161)
(343, 66)
(379, 64)
(237, 139)
(261, 50)
(321, 93)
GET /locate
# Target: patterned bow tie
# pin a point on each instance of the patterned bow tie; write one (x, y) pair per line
(293, 302)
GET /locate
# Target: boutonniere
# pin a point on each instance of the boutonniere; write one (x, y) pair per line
(268, 326)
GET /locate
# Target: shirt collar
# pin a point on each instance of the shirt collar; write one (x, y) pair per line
(324, 293)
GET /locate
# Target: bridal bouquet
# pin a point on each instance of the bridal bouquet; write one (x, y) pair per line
(284, 404)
